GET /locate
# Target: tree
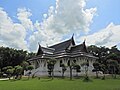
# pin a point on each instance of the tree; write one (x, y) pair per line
(104, 54)
(13, 57)
(50, 65)
(71, 65)
(63, 69)
(96, 68)
(104, 70)
(24, 64)
(77, 68)
(30, 67)
(85, 65)
(18, 72)
(9, 71)
(112, 66)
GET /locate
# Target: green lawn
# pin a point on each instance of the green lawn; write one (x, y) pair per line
(60, 84)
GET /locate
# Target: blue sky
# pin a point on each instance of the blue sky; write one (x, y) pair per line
(39, 21)
(37, 7)
(107, 10)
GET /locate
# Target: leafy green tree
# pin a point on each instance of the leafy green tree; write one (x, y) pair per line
(50, 65)
(77, 68)
(104, 70)
(24, 65)
(30, 67)
(64, 68)
(96, 68)
(112, 66)
(11, 57)
(104, 54)
(9, 71)
(71, 66)
(85, 65)
(4, 69)
(18, 72)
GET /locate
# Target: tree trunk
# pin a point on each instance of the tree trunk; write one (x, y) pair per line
(70, 72)
(96, 74)
(104, 76)
(114, 73)
(76, 74)
(28, 77)
(21, 76)
(29, 74)
(9, 77)
(86, 71)
(52, 74)
(62, 74)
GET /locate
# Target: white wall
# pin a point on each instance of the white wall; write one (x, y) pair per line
(43, 71)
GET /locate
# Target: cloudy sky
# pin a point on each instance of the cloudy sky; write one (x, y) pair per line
(24, 23)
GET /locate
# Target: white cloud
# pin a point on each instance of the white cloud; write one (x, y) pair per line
(23, 16)
(108, 36)
(11, 34)
(66, 17)
(69, 15)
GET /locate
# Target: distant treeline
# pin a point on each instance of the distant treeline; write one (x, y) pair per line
(104, 53)
(13, 57)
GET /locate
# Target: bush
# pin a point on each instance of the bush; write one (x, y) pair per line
(87, 79)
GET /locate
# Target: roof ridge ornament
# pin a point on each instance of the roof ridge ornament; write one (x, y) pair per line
(72, 39)
(84, 40)
(73, 35)
(39, 52)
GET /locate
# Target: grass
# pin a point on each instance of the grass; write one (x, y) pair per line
(60, 84)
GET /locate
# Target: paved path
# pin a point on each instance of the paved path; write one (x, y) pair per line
(2, 79)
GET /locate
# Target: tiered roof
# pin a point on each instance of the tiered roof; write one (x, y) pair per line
(67, 48)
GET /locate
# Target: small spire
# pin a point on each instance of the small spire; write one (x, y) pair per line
(84, 40)
(84, 46)
(73, 35)
(72, 39)
(39, 52)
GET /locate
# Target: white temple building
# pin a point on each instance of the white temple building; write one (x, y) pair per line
(63, 52)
